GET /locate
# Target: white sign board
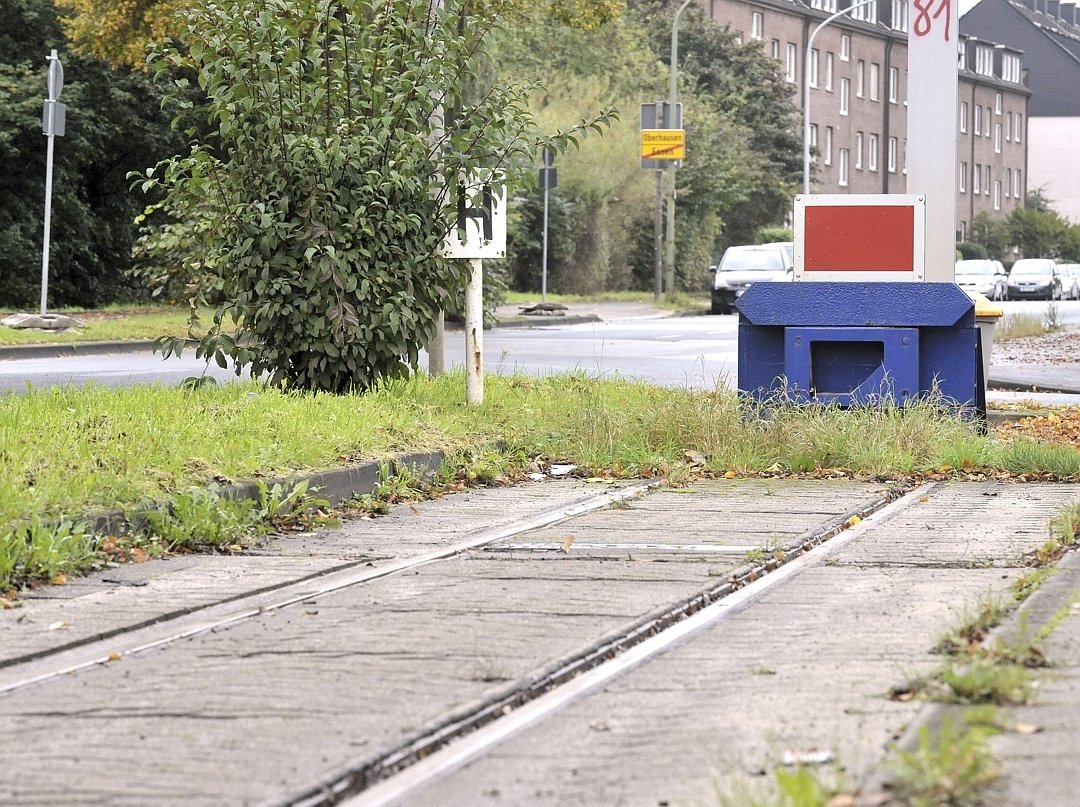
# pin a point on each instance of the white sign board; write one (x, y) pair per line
(480, 230)
(933, 26)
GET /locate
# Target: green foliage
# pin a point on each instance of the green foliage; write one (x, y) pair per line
(331, 205)
(992, 234)
(1038, 233)
(772, 235)
(950, 766)
(969, 250)
(201, 517)
(113, 126)
(38, 549)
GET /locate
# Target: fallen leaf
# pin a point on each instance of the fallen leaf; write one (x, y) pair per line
(61, 625)
(841, 800)
(59, 580)
(569, 542)
(694, 457)
(115, 655)
(139, 555)
(730, 475)
(854, 520)
(1027, 728)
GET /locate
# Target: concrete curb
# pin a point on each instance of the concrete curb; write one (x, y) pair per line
(335, 485)
(1030, 386)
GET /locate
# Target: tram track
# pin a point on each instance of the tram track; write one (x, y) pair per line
(387, 776)
(19, 673)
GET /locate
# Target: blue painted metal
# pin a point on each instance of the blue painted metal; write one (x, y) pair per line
(859, 343)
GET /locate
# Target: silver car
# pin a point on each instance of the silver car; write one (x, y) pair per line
(1034, 279)
(744, 265)
(985, 276)
(1070, 280)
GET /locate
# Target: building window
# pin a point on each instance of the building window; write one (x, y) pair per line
(892, 155)
(871, 151)
(997, 103)
(842, 179)
(984, 60)
(792, 62)
(894, 85)
(978, 119)
(963, 231)
(961, 185)
(997, 138)
(1008, 182)
(963, 116)
(828, 145)
(824, 5)
(845, 47)
(1010, 68)
(828, 71)
(813, 142)
(1016, 184)
(813, 67)
(899, 15)
(757, 25)
(961, 56)
(1008, 128)
(875, 81)
(845, 91)
(860, 78)
(866, 13)
(858, 150)
(986, 181)
(997, 194)
(1018, 127)
(986, 129)
(976, 178)
(774, 48)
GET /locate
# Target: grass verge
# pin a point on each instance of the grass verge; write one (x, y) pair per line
(1019, 326)
(67, 452)
(108, 325)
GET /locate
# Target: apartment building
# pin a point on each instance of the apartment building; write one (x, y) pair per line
(1048, 31)
(857, 74)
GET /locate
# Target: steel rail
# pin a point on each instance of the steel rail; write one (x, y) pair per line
(447, 744)
(225, 614)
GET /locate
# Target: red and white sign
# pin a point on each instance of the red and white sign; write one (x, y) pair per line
(860, 237)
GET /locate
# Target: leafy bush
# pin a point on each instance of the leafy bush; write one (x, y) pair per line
(324, 162)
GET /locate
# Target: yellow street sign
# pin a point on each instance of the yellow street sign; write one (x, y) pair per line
(663, 144)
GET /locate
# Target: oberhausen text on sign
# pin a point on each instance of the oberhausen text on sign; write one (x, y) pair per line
(663, 144)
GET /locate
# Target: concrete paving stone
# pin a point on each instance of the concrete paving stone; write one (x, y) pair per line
(337, 677)
(805, 668)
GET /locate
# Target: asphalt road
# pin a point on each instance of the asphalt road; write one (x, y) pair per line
(675, 351)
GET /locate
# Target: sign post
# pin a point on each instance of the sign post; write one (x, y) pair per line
(663, 144)
(549, 179)
(931, 127)
(52, 124)
(480, 232)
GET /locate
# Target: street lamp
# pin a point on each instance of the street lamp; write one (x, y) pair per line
(672, 98)
(806, 86)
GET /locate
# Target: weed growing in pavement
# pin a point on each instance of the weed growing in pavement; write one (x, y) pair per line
(984, 679)
(201, 517)
(39, 550)
(800, 786)
(1052, 318)
(975, 623)
(951, 765)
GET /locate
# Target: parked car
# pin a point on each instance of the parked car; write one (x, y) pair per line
(1034, 279)
(985, 276)
(743, 265)
(1070, 280)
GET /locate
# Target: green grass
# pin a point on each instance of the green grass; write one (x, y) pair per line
(682, 301)
(106, 325)
(68, 452)
(1018, 326)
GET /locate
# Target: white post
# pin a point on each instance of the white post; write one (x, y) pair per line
(544, 259)
(806, 88)
(933, 26)
(474, 333)
(48, 223)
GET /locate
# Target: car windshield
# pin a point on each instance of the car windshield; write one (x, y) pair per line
(1031, 268)
(974, 268)
(752, 260)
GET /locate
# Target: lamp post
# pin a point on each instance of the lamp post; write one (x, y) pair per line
(806, 86)
(673, 92)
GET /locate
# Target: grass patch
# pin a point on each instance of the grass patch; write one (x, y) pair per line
(1019, 326)
(67, 452)
(107, 325)
(681, 301)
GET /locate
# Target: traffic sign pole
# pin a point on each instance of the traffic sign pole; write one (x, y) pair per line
(53, 125)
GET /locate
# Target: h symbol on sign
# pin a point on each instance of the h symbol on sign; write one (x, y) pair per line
(483, 213)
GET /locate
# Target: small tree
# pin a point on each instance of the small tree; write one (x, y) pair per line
(334, 180)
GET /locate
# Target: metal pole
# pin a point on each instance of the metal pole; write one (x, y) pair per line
(48, 223)
(474, 333)
(544, 260)
(806, 87)
(658, 238)
(672, 100)
(436, 348)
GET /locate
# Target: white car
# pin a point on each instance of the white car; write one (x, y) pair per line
(744, 265)
(985, 276)
(1070, 280)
